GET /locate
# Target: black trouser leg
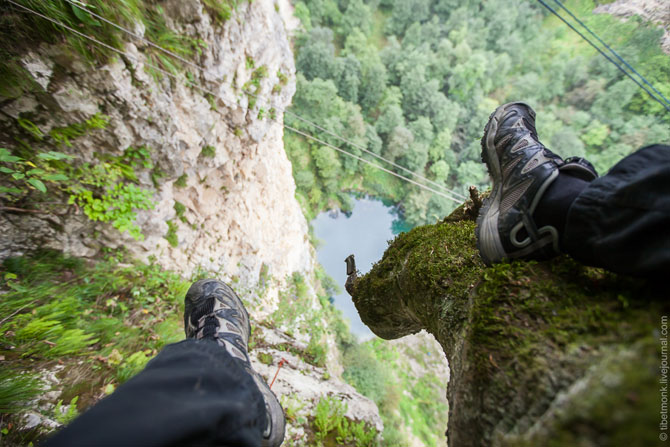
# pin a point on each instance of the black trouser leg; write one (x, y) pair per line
(621, 221)
(191, 393)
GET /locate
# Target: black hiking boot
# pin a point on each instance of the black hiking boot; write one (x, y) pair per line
(521, 170)
(212, 310)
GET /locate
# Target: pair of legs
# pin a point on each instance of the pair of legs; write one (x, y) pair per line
(203, 391)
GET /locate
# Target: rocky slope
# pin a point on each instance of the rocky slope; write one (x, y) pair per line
(655, 11)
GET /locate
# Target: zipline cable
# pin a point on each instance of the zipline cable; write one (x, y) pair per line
(611, 50)
(553, 11)
(172, 75)
(267, 101)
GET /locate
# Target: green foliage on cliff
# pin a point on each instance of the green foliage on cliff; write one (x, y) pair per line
(407, 401)
(332, 428)
(22, 30)
(35, 173)
(101, 321)
(415, 81)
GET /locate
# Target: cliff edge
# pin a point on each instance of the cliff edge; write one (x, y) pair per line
(550, 354)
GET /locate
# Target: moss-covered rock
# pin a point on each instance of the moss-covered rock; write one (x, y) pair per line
(551, 353)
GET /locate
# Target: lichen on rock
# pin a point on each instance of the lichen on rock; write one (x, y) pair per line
(535, 349)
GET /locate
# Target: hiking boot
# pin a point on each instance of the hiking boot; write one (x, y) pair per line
(212, 310)
(522, 170)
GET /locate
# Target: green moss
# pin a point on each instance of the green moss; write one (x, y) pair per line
(515, 334)
(522, 307)
(208, 151)
(181, 181)
(180, 209)
(438, 263)
(171, 235)
(265, 358)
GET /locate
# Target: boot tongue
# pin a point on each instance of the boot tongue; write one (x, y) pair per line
(209, 326)
(205, 307)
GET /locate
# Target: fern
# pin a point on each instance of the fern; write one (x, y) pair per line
(66, 415)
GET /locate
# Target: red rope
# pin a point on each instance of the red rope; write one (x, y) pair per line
(281, 363)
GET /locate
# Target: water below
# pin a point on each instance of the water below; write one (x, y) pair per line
(365, 233)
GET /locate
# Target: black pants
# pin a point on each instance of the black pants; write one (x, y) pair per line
(621, 221)
(192, 393)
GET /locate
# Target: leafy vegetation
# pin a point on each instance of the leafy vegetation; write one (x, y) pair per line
(17, 389)
(313, 319)
(106, 190)
(66, 414)
(21, 31)
(331, 427)
(171, 235)
(103, 321)
(406, 403)
(415, 81)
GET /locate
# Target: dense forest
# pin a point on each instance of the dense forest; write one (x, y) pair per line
(415, 81)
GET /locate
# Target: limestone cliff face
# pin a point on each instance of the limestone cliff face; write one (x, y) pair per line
(222, 184)
(240, 207)
(655, 11)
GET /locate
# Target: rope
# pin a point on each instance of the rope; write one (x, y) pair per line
(257, 96)
(172, 75)
(611, 50)
(370, 163)
(553, 11)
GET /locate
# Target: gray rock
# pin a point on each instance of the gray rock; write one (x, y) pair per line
(39, 68)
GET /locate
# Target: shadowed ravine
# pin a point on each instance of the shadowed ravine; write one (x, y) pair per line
(550, 353)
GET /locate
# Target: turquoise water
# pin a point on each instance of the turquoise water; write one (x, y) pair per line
(365, 234)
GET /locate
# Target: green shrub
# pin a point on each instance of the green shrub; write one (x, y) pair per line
(106, 191)
(331, 427)
(112, 317)
(131, 366)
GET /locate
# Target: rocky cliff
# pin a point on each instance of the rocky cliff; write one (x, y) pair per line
(541, 354)
(214, 155)
(655, 11)
(206, 149)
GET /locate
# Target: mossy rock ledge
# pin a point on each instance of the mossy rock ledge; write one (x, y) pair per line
(541, 354)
